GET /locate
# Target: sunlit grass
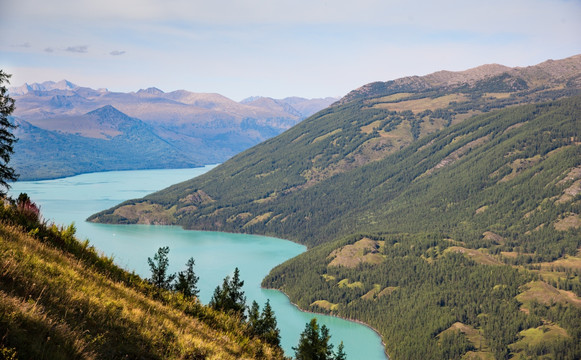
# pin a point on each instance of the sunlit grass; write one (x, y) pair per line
(57, 305)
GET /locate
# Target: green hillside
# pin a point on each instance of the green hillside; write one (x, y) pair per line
(469, 237)
(60, 299)
(316, 181)
(444, 211)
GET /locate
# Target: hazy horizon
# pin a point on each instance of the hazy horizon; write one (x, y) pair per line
(311, 49)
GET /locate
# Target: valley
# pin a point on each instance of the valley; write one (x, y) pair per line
(442, 210)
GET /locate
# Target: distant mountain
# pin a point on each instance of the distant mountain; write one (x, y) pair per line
(194, 128)
(443, 210)
(101, 140)
(305, 107)
(45, 86)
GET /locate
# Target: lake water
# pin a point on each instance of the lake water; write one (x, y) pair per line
(73, 199)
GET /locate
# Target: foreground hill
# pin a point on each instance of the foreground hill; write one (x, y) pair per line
(63, 126)
(444, 211)
(59, 299)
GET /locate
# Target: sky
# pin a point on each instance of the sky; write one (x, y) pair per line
(275, 48)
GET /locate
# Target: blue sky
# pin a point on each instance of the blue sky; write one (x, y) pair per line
(277, 48)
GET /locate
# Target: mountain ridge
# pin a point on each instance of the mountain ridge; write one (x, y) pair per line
(202, 128)
(348, 136)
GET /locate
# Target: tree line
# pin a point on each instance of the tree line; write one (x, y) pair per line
(314, 342)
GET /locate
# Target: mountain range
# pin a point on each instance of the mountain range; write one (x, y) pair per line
(443, 210)
(71, 129)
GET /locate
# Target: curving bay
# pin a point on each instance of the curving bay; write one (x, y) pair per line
(73, 199)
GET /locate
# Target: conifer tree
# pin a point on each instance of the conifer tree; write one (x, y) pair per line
(230, 296)
(7, 138)
(187, 281)
(158, 267)
(340, 352)
(254, 319)
(268, 326)
(314, 343)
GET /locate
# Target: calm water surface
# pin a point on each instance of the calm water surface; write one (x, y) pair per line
(73, 199)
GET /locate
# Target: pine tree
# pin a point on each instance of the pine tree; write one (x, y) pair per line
(340, 352)
(268, 326)
(237, 298)
(230, 296)
(220, 298)
(254, 323)
(7, 138)
(187, 281)
(158, 267)
(314, 343)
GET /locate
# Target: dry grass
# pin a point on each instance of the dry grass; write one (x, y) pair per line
(368, 129)
(514, 254)
(146, 213)
(481, 209)
(324, 304)
(328, 277)
(497, 95)
(392, 98)
(258, 219)
(457, 154)
(429, 126)
(363, 251)
(546, 294)
(371, 294)
(347, 283)
(479, 256)
(388, 290)
(323, 137)
(568, 262)
(519, 165)
(241, 216)
(473, 335)
(571, 221)
(420, 105)
(54, 304)
(489, 235)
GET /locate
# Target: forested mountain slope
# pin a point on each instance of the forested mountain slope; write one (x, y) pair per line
(446, 216)
(473, 251)
(287, 186)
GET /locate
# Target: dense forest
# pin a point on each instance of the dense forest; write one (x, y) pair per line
(448, 218)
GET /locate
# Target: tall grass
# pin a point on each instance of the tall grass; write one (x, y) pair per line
(61, 299)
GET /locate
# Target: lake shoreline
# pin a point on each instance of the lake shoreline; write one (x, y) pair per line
(336, 316)
(59, 177)
(74, 198)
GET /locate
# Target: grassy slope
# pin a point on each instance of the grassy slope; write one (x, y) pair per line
(57, 305)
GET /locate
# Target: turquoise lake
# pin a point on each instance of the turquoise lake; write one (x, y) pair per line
(73, 199)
